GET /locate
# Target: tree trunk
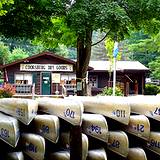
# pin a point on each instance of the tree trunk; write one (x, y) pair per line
(76, 143)
(83, 58)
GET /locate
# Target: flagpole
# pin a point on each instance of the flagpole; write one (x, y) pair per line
(115, 52)
(114, 76)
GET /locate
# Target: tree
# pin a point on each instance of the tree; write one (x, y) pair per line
(155, 68)
(109, 45)
(62, 50)
(155, 65)
(25, 44)
(4, 3)
(17, 54)
(143, 47)
(4, 53)
(99, 50)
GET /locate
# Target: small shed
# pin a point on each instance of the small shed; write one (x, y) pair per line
(130, 76)
(47, 71)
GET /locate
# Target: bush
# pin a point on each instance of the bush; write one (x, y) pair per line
(7, 91)
(109, 91)
(151, 89)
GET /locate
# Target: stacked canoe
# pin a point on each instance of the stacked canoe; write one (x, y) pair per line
(111, 127)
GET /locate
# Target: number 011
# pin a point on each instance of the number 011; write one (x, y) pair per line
(120, 113)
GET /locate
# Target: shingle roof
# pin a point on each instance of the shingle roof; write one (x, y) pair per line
(120, 65)
(39, 55)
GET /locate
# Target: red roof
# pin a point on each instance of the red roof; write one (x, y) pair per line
(39, 55)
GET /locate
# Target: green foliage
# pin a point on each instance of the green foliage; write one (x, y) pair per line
(37, 17)
(109, 91)
(4, 53)
(7, 91)
(98, 50)
(62, 50)
(25, 44)
(4, 3)
(57, 34)
(72, 53)
(151, 89)
(109, 44)
(155, 68)
(17, 54)
(143, 47)
(26, 18)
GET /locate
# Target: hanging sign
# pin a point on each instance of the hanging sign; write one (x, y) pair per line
(46, 67)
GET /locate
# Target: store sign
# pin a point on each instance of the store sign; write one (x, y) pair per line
(56, 78)
(46, 67)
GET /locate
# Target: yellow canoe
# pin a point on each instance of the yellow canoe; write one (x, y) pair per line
(24, 110)
(116, 108)
(146, 105)
(69, 110)
(60, 155)
(15, 156)
(9, 130)
(136, 154)
(118, 143)
(47, 126)
(97, 154)
(96, 126)
(154, 142)
(139, 126)
(33, 145)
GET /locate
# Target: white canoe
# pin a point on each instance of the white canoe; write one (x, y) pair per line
(96, 126)
(69, 110)
(139, 126)
(15, 156)
(118, 143)
(146, 105)
(97, 154)
(136, 154)
(114, 107)
(33, 145)
(61, 155)
(65, 139)
(9, 130)
(23, 109)
(47, 126)
(154, 142)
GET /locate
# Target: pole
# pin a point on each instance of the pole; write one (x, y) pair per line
(115, 52)
(114, 76)
(76, 143)
(33, 91)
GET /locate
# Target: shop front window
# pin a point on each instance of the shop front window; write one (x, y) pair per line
(23, 78)
(68, 79)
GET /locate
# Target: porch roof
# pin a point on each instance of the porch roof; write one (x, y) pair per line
(120, 66)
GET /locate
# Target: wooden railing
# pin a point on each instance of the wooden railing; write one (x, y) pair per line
(24, 88)
(70, 89)
(70, 86)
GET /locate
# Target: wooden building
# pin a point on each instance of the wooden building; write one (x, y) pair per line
(130, 76)
(51, 74)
